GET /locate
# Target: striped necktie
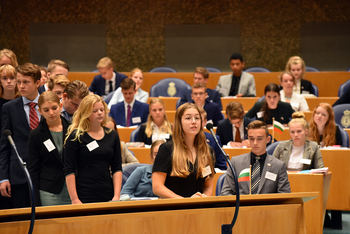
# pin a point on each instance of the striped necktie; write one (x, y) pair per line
(33, 116)
(256, 176)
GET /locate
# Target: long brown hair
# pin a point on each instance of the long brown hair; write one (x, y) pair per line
(329, 129)
(10, 71)
(181, 150)
(265, 108)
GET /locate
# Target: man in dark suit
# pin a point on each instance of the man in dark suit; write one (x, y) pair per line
(108, 81)
(199, 97)
(54, 68)
(268, 174)
(20, 116)
(220, 161)
(73, 93)
(201, 75)
(129, 112)
(233, 129)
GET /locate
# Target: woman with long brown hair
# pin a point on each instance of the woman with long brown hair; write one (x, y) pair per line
(184, 167)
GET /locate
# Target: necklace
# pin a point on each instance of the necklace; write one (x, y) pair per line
(288, 98)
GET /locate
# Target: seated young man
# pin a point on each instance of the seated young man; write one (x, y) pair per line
(57, 84)
(54, 68)
(233, 129)
(239, 83)
(220, 161)
(201, 75)
(74, 92)
(108, 81)
(20, 116)
(129, 112)
(268, 174)
(199, 96)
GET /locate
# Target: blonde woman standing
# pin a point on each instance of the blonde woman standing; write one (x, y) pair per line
(91, 149)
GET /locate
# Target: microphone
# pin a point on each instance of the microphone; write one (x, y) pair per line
(227, 228)
(7, 133)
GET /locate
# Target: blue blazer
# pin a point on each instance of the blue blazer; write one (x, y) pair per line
(224, 130)
(213, 112)
(139, 109)
(14, 118)
(41, 89)
(220, 161)
(213, 96)
(98, 84)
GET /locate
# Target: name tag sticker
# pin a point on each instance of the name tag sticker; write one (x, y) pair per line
(49, 145)
(305, 161)
(260, 114)
(206, 172)
(270, 176)
(136, 120)
(92, 145)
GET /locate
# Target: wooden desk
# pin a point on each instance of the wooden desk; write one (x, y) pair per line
(169, 102)
(314, 210)
(142, 154)
(125, 133)
(314, 101)
(327, 82)
(278, 213)
(247, 102)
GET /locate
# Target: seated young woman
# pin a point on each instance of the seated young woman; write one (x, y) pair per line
(157, 126)
(323, 129)
(137, 76)
(271, 107)
(184, 167)
(139, 184)
(299, 153)
(296, 66)
(297, 101)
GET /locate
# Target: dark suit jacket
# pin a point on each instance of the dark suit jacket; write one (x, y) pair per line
(14, 118)
(98, 84)
(220, 161)
(41, 89)
(142, 137)
(272, 165)
(139, 110)
(213, 96)
(306, 86)
(213, 112)
(45, 168)
(224, 130)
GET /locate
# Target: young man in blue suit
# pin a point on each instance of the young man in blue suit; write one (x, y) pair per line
(268, 174)
(129, 112)
(201, 75)
(108, 81)
(233, 129)
(20, 116)
(199, 97)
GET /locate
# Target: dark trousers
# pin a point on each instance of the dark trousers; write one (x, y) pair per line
(20, 195)
(5, 203)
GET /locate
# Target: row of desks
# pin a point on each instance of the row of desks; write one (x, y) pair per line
(327, 82)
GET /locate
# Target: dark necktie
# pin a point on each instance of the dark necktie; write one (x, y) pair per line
(238, 135)
(110, 86)
(128, 116)
(256, 176)
(33, 116)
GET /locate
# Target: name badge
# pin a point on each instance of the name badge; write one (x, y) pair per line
(207, 171)
(260, 114)
(136, 120)
(305, 161)
(270, 176)
(92, 145)
(49, 145)
(305, 92)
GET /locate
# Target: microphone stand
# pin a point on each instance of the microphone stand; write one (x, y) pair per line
(227, 228)
(30, 185)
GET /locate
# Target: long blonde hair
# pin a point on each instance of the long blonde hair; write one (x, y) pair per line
(295, 60)
(329, 129)
(81, 121)
(166, 126)
(181, 150)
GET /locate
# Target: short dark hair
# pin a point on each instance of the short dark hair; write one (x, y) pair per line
(237, 56)
(257, 124)
(29, 69)
(234, 110)
(127, 84)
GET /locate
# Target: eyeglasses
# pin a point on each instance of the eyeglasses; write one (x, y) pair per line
(189, 118)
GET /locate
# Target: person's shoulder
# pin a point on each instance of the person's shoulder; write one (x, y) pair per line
(226, 76)
(224, 122)
(13, 102)
(284, 104)
(274, 160)
(312, 144)
(120, 75)
(98, 76)
(211, 92)
(138, 103)
(247, 75)
(305, 81)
